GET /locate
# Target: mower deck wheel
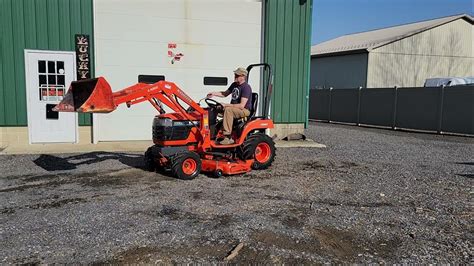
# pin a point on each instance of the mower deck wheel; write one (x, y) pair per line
(218, 173)
(186, 165)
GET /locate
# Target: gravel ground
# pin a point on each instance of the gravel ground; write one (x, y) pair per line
(371, 196)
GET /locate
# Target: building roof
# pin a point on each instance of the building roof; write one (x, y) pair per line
(369, 40)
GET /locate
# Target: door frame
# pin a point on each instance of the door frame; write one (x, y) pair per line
(28, 97)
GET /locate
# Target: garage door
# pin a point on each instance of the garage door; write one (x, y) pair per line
(143, 37)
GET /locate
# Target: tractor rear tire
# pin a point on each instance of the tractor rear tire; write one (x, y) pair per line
(261, 148)
(186, 165)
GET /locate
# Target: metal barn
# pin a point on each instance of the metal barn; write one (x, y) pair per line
(403, 56)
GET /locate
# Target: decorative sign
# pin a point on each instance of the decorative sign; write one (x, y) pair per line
(174, 56)
(82, 56)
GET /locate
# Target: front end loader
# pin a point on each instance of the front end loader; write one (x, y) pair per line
(185, 140)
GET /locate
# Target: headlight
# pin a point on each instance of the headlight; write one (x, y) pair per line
(165, 122)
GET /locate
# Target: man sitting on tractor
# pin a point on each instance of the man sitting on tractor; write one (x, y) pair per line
(240, 105)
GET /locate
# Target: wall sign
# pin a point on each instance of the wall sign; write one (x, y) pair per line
(171, 53)
(82, 56)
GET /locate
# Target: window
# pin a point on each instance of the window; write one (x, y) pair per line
(150, 79)
(50, 114)
(51, 79)
(217, 81)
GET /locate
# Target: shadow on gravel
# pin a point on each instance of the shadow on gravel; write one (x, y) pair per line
(56, 163)
(466, 163)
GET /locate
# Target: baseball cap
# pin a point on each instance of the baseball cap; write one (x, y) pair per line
(241, 71)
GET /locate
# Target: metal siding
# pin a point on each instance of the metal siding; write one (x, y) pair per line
(300, 62)
(2, 45)
(278, 65)
(53, 24)
(344, 71)
(293, 116)
(287, 50)
(19, 41)
(446, 50)
(29, 24)
(9, 95)
(287, 99)
(75, 18)
(66, 41)
(87, 28)
(2, 105)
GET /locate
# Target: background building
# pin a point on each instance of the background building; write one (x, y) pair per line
(127, 39)
(403, 56)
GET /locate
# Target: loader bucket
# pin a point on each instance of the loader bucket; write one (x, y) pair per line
(88, 96)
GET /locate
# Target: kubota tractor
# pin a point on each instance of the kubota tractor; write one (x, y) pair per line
(185, 140)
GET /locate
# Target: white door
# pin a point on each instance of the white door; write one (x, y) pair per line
(48, 76)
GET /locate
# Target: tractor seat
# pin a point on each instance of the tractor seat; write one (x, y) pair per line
(252, 112)
(239, 123)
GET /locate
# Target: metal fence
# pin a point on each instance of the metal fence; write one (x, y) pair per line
(440, 109)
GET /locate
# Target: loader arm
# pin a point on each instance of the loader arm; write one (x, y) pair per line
(96, 96)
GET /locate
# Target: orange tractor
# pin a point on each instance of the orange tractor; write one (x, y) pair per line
(185, 141)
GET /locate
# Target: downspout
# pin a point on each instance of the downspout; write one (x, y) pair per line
(262, 49)
(309, 33)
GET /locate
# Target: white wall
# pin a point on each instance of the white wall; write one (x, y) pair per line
(444, 51)
(131, 38)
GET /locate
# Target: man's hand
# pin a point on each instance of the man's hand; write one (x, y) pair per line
(220, 94)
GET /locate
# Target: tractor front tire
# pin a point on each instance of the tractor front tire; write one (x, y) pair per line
(261, 148)
(150, 164)
(186, 165)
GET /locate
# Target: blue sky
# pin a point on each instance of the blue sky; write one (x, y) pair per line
(333, 18)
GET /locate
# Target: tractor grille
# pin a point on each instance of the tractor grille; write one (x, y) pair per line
(167, 129)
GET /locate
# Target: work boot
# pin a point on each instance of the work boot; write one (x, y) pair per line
(227, 141)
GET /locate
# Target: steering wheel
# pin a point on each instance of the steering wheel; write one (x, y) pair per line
(214, 104)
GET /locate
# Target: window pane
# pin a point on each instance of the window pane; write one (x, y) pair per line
(41, 66)
(51, 67)
(61, 80)
(217, 81)
(50, 114)
(150, 79)
(52, 79)
(42, 80)
(60, 67)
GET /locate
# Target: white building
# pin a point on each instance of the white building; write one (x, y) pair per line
(403, 56)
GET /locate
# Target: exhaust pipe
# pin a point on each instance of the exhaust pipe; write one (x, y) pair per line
(88, 96)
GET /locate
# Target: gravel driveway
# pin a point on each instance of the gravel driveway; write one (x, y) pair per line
(371, 196)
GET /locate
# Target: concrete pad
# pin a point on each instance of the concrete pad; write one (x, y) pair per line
(119, 146)
(308, 143)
